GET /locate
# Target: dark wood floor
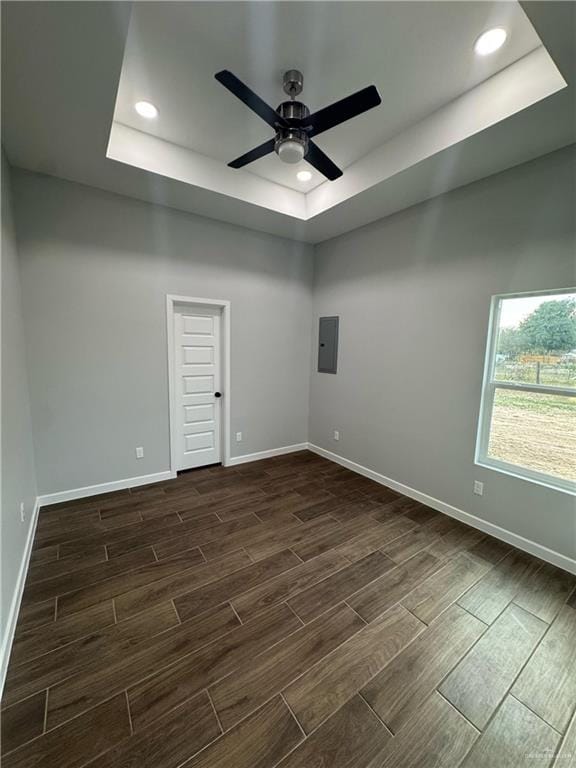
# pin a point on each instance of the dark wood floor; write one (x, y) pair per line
(287, 612)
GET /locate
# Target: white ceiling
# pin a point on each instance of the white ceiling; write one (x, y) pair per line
(62, 64)
(418, 54)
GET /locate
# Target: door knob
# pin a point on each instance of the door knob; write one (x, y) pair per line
(217, 394)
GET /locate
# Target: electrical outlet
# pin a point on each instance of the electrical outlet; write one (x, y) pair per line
(478, 488)
(22, 512)
(140, 452)
(336, 435)
(238, 437)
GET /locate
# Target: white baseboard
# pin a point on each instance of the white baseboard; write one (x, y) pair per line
(133, 482)
(94, 490)
(14, 610)
(267, 454)
(527, 545)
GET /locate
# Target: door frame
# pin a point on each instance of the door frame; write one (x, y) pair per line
(171, 301)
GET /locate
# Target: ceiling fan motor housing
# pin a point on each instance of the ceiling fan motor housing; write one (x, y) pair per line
(291, 144)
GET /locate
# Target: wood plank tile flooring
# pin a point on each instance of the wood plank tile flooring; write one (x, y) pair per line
(285, 613)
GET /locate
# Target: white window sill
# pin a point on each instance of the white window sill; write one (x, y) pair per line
(521, 473)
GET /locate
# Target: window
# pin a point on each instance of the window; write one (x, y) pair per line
(527, 421)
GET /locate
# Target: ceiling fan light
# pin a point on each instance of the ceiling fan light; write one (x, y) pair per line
(291, 151)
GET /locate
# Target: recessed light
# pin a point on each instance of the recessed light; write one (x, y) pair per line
(146, 109)
(303, 175)
(490, 41)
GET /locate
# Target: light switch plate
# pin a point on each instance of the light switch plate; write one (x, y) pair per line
(140, 452)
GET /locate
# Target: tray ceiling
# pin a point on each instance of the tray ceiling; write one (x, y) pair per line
(73, 71)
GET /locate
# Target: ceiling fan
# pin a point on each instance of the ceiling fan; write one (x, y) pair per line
(294, 125)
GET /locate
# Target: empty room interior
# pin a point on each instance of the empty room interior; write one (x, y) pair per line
(288, 407)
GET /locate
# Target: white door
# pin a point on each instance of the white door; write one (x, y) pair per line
(198, 401)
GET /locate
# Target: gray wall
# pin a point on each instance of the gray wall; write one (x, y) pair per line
(413, 294)
(96, 269)
(18, 479)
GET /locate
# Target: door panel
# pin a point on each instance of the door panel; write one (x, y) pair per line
(194, 413)
(201, 326)
(198, 385)
(201, 442)
(197, 355)
(197, 379)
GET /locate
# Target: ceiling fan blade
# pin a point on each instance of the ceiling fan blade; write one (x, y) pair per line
(254, 154)
(249, 98)
(343, 110)
(322, 162)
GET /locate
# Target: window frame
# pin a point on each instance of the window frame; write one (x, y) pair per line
(489, 388)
